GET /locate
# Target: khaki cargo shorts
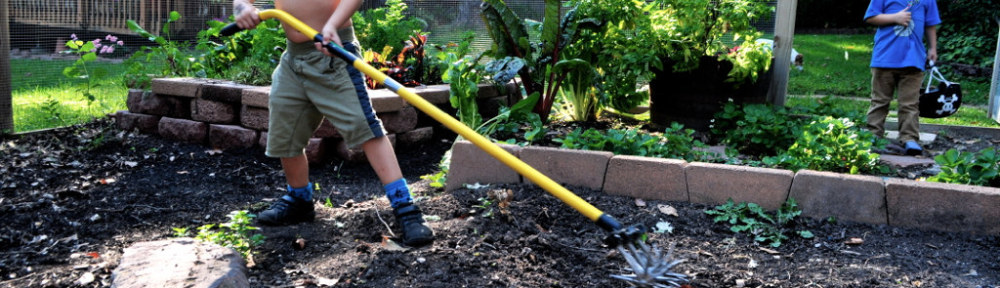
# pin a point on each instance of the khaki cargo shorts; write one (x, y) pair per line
(308, 86)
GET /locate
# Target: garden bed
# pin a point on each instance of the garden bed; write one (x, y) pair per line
(75, 197)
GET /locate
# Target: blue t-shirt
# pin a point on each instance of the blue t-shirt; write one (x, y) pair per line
(897, 46)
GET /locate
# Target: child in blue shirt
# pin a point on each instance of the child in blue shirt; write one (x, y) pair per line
(898, 61)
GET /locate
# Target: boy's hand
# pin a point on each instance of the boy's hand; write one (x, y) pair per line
(329, 35)
(246, 15)
(903, 17)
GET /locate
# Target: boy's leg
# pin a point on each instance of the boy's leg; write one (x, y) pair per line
(297, 205)
(382, 158)
(883, 86)
(909, 110)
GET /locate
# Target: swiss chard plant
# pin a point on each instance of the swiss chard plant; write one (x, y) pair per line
(386, 26)
(980, 168)
(756, 129)
(751, 218)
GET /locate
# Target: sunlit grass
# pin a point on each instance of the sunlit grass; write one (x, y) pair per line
(967, 115)
(63, 105)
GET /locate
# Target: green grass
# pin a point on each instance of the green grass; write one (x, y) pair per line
(46, 98)
(838, 65)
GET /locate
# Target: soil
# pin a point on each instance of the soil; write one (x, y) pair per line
(73, 198)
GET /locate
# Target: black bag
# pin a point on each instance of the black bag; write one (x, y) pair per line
(941, 100)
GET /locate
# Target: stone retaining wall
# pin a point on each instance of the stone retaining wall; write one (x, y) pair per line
(223, 115)
(858, 198)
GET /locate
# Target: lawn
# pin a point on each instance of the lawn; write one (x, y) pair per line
(45, 98)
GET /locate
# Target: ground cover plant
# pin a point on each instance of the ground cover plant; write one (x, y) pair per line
(74, 197)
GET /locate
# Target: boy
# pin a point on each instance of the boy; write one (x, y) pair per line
(309, 84)
(898, 61)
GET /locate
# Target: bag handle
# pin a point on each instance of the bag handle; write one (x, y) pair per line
(935, 74)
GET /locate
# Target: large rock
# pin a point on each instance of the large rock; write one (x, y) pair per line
(180, 263)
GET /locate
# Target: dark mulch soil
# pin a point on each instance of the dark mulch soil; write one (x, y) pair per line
(74, 198)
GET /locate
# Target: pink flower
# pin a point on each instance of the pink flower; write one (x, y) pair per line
(121, 43)
(111, 38)
(97, 41)
(73, 36)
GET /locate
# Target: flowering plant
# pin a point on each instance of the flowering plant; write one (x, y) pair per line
(88, 51)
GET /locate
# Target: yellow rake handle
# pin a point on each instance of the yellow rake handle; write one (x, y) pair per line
(605, 221)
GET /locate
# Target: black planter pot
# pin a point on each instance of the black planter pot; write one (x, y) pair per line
(693, 97)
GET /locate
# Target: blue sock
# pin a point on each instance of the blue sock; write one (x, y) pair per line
(398, 193)
(304, 193)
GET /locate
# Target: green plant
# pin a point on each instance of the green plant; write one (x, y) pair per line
(463, 78)
(681, 32)
(407, 67)
(87, 51)
(167, 58)
(440, 178)
(238, 233)
(979, 168)
(247, 57)
(752, 219)
(830, 144)
(386, 26)
(675, 142)
(756, 129)
(485, 203)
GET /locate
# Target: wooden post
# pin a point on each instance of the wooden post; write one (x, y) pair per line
(784, 33)
(994, 107)
(6, 98)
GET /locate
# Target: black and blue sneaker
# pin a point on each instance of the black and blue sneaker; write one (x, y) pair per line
(913, 148)
(288, 210)
(411, 221)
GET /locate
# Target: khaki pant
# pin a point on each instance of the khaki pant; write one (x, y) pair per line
(905, 82)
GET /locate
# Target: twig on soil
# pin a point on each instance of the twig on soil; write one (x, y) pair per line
(379, 215)
(578, 248)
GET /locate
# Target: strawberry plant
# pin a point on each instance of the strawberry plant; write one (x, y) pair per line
(830, 144)
(980, 168)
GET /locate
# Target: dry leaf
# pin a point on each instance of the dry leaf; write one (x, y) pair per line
(390, 245)
(667, 209)
(640, 202)
(854, 241)
(300, 244)
(213, 151)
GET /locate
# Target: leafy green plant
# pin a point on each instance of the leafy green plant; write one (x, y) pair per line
(407, 67)
(87, 51)
(513, 120)
(752, 219)
(167, 58)
(830, 144)
(463, 78)
(756, 129)
(681, 32)
(247, 57)
(675, 142)
(438, 179)
(238, 233)
(979, 168)
(386, 26)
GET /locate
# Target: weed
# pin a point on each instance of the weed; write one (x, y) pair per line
(752, 219)
(237, 233)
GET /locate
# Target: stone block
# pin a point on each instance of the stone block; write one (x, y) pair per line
(469, 165)
(223, 91)
(214, 112)
(647, 178)
(139, 101)
(943, 207)
(857, 198)
(262, 142)
(183, 130)
(230, 136)
(403, 120)
(146, 124)
(317, 152)
(256, 96)
(435, 94)
(254, 117)
(178, 86)
(384, 100)
(415, 136)
(711, 183)
(567, 166)
(180, 263)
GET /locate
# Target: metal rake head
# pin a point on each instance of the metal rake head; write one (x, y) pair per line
(650, 267)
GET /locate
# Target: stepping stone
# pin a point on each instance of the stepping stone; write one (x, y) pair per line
(180, 262)
(925, 138)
